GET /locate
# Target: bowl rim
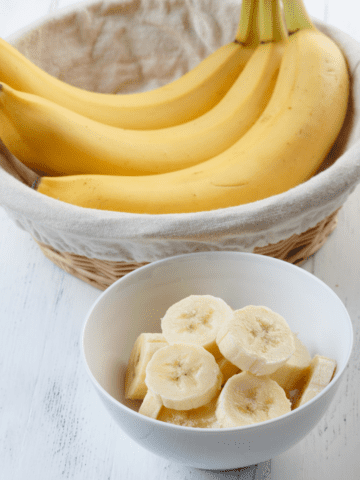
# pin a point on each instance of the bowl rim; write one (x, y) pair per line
(271, 260)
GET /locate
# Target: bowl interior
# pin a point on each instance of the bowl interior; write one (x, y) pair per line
(136, 303)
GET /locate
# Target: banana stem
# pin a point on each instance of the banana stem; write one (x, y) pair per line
(296, 16)
(248, 33)
(272, 25)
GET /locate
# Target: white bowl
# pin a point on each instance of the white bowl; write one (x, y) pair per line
(136, 303)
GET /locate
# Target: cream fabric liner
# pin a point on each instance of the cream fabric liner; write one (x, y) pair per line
(134, 45)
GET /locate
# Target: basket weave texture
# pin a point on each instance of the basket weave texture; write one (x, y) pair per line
(107, 46)
(102, 273)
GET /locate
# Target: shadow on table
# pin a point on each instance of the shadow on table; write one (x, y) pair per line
(261, 471)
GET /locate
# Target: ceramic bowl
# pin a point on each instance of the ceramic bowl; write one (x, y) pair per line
(136, 303)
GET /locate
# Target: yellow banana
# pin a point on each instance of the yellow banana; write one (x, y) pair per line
(57, 141)
(284, 147)
(180, 101)
(296, 16)
(43, 134)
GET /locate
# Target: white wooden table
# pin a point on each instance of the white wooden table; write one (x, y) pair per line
(52, 425)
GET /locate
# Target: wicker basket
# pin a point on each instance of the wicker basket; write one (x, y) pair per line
(295, 243)
(102, 273)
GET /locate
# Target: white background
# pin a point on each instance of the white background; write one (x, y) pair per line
(52, 425)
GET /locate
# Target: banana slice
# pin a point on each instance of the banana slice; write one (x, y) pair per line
(318, 376)
(256, 339)
(195, 320)
(151, 405)
(144, 348)
(247, 399)
(227, 369)
(202, 417)
(183, 376)
(290, 373)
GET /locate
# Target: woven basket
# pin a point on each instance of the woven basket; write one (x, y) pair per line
(102, 273)
(310, 218)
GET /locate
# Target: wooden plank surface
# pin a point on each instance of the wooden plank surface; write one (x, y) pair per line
(52, 425)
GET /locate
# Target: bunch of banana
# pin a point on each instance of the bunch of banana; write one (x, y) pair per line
(102, 149)
(283, 148)
(268, 371)
(182, 100)
(46, 133)
(265, 136)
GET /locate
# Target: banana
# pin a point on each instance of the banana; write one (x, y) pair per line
(195, 320)
(296, 16)
(202, 417)
(256, 340)
(178, 102)
(181, 377)
(247, 399)
(227, 369)
(290, 373)
(284, 147)
(144, 348)
(151, 405)
(54, 133)
(318, 376)
(181, 382)
(10, 136)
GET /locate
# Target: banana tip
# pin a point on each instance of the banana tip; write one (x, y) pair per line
(36, 182)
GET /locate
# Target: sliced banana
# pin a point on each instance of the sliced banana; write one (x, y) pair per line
(202, 417)
(195, 320)
(183, 376)
(151, 405)
(227, 369)
(318, 376)
(290, 373)
(256, 339)
(144, 348)
(247, 399)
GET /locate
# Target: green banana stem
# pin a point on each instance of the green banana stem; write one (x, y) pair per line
(296, 16)
(272, 25)
(248, 33)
